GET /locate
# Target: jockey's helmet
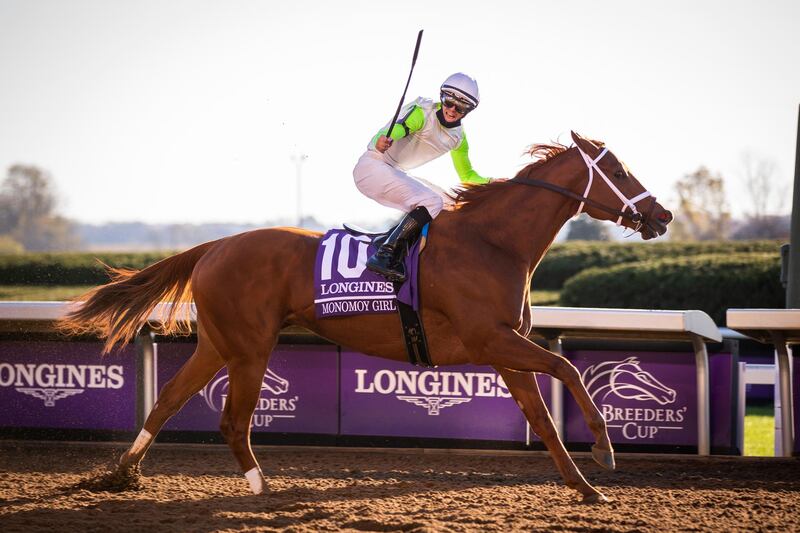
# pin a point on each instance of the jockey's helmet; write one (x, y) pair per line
(463, 88)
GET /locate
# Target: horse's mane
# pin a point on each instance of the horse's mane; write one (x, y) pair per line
(470, 195)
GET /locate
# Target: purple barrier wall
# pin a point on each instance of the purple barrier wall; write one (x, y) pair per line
(645, 397)
(386, 398)
(67, 385)
(723, 386)
(299, 392)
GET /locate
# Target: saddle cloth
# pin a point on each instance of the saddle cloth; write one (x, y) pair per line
(343, 286)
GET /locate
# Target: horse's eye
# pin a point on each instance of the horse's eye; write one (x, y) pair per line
(619, 174)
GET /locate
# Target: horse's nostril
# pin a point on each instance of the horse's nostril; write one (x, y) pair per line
(665, 217)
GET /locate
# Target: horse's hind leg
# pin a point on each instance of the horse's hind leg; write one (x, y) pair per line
(525, 390)
(245, 376)
(192, 376)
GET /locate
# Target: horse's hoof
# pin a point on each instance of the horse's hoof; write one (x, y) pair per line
(258, 485)
(596, 497)
(121, 479)
(604, 458)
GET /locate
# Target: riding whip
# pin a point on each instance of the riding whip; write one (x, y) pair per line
(402, 98)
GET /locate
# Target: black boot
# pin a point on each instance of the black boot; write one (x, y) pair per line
(388, 260)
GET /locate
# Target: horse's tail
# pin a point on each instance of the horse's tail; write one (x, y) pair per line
(117, 310)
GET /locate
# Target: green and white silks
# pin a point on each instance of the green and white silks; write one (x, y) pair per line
(418, 138)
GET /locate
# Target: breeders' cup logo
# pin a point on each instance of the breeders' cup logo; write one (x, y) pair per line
(50, 383)
(433, 391)
(268, 409)
(626, 380)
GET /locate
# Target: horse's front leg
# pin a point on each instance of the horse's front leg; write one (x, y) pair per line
(511, 350)
(525, 390)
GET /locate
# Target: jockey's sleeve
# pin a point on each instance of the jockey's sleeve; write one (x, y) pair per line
(460, 155)
(411, 122)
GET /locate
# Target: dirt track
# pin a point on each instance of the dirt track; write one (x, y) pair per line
(199, 489)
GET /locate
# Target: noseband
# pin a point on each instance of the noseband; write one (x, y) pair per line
(633, 215)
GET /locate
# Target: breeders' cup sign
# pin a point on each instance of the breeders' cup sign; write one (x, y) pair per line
(298, 392)
(648, 398)
(275, 406)
(387, 398)
(61, 385)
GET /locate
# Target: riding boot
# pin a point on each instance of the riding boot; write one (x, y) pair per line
(388, 260)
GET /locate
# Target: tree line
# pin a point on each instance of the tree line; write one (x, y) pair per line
(29, 218)
(703, 213)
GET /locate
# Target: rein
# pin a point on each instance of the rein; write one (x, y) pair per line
(628, 203)
(636, 218)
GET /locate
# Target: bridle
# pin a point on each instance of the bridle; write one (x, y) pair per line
(633, 215)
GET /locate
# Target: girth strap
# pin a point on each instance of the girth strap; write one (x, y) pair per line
(413, 334)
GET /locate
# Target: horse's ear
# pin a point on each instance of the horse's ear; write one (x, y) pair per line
(585, 144)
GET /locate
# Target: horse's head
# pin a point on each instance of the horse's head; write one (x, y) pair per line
(613, 193)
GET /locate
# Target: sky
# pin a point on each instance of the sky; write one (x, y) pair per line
(199, 111)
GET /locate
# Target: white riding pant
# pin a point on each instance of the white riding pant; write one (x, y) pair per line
(394, 188)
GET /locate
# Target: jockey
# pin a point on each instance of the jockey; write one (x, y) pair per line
(424, 131)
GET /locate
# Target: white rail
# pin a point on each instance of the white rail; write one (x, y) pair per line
(780, 327)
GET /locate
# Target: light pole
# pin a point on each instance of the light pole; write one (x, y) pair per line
(298, 160)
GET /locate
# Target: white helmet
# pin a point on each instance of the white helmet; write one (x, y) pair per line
(463, 88)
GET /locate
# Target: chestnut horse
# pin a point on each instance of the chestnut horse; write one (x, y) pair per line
(475, 277)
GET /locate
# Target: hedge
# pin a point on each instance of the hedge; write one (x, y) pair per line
(69, 269)
(712, 283)
(564, 260)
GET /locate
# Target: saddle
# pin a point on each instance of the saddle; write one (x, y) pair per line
(377, 238)
(405, 296)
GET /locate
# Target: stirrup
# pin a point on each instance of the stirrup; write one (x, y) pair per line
(386, 265)
(388, 260)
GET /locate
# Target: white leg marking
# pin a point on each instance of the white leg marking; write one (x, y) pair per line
(141, 443)
(256, 480)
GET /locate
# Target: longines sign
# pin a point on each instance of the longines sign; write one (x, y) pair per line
(381, 397)
(66, 385)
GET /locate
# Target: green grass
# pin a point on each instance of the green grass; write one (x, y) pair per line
(759, 431)
(545, 298)
(57, 293)
(40, 293)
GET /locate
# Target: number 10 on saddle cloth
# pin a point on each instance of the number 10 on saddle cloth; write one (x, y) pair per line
(343, 285)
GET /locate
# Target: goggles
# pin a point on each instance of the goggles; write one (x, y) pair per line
(459, 105)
